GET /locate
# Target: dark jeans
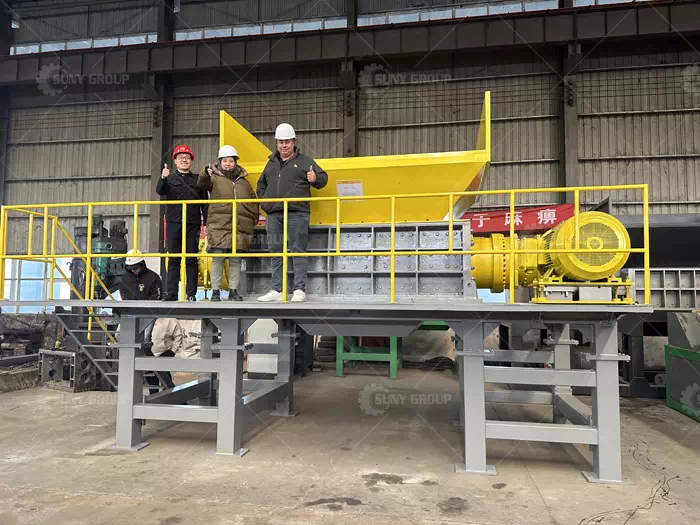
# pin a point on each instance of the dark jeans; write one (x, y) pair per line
(152, 380)
(297, 239)
(173, 240)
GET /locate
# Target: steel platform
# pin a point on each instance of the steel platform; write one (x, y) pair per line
(231, 401)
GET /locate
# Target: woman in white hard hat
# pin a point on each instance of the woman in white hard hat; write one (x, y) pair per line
(288, 173)
(228, 180)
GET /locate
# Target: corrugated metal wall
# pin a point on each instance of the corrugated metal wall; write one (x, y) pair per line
(222, 12)
(438, 109)
(60, 23)
(80, 152)
(306, 96)
(639, 122)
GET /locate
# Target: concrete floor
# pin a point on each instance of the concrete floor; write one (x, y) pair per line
(332, 463)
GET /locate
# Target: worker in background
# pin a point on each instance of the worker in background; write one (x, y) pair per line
(139, 283)
(228, 180)
(179, 186)
(288, 174)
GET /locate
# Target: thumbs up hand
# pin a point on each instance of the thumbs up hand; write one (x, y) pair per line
(311, 175)
(165, 173)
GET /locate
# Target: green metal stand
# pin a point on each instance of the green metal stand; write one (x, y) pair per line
(363, 353)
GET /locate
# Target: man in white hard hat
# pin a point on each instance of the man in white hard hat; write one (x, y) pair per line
(227, 180)
(288, 174)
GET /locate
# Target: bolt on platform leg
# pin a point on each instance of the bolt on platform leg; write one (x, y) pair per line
(286, 351)
(474, 401)
(607, 454)
(130, 389)
(230, 413)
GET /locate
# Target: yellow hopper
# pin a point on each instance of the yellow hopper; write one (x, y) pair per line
(454, 171)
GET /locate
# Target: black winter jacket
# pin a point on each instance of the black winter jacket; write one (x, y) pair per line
(178, 187)
(145, 286)
(283, 179)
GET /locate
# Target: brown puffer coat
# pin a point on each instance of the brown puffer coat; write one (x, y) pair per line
(229, 185)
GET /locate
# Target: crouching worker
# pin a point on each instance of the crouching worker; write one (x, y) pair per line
(227, 180)
(139, 283)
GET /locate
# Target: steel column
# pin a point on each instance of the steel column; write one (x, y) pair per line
(607, 455)
(130, 390)
(562, 361)
(209, 332)
(473, 400)
(286, 344)
(230, 414)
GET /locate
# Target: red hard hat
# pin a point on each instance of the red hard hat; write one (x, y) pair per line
(182, 149)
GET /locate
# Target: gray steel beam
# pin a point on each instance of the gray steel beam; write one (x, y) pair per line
(180, 394)
(230, 409)
(352, 9)
(351, 133)
(176, 364)
(599, 23)
(540, 376)
(264, 399)
(15, 360)
(5, 41)
(573, 409)
(547, 432)
(519, 397)
(520, 356)
(568, 120)
(162, 412)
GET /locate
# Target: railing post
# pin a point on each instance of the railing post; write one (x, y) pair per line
(392, 277)
(45, 240)
(647, 272)
(30, 235)
(3, 248)
(577, 197)
(337, 225)
(183, 250)
(511, 255)
(284, 251)
(450, 242)
(88, 260)
(234, 226)
(53, 260)
(136, 228)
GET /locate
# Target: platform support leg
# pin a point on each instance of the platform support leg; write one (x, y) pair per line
(562, 361)
(286, 350)
(230, 413)
(473, 400)
(209, 331)
(607, 454)
(130, 389)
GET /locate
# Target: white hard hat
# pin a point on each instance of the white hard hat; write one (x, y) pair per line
(285, 132)
(135, 259)
(228, 151)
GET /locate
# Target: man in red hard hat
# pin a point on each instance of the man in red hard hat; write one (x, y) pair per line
(180, 186)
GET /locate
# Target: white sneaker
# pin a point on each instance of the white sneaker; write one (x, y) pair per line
(271, 296)
(299, 296)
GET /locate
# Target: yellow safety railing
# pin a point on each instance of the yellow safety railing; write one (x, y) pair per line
(92, 277)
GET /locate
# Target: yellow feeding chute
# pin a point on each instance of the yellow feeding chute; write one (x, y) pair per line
(454, 171)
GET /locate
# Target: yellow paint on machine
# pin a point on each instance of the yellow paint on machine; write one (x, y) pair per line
(453, 171)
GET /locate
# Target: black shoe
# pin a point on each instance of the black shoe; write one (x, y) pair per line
(169, 297)
(216, 295)
(191, 298)
(233, 296)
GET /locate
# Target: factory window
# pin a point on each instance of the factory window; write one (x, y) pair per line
(436, 14)
(277, 28)
(583, 3)
(105, 42)
(247, 30)
(12, 50)
(335, 23)
(79, 44)
(53, 46)
(132, 40)
(401, 18)
(501, 9)
(308, 25)
(152, 37)
(541, 5)
(26, 49)
(217, 33)
(374, 20)
(188, 35)
(30, 281)
(470, 11)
